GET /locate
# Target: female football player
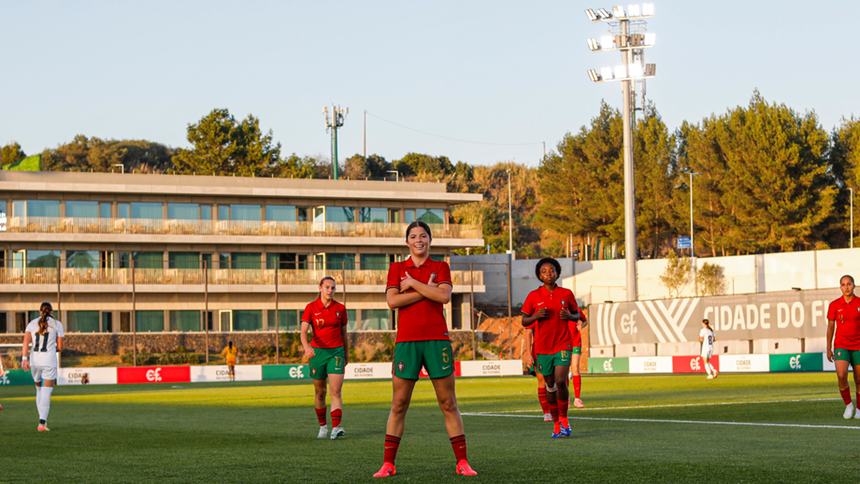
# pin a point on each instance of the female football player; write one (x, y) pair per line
(843, 316)
(707, 338)
(230, 353)
(419, 287)
(550, 308)
(46, 334)
(328, 354)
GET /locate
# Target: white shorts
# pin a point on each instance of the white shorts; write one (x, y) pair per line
(707, 353)
(43, 373)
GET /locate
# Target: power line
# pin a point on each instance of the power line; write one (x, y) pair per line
(449, 138)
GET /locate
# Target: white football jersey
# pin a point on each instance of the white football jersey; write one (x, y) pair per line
(707, 338)
(44, 350)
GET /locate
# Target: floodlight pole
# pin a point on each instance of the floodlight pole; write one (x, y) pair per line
(629, 187)
(338, 116)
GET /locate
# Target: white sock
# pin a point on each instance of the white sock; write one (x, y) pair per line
(709, 369)
(44, 403)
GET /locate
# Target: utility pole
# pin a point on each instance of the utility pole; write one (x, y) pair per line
(630, 37)
(338, 116)
(510, 219)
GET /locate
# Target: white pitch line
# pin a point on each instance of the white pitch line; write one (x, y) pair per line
(705, 404)
(698, 422)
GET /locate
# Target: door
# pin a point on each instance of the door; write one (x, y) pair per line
(226, 319)
(319, 219)
(125, 322)
(20, 322)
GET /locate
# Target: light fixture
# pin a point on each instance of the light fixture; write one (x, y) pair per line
(650, 39)
(593, 45)
(618, 12)
(606, 42)
(636, 70)
(604, 13)
(592, 74)
(620, 72)
(606, 73)
(633, 10)
(591, 15)
(647, 9)
(650, 70)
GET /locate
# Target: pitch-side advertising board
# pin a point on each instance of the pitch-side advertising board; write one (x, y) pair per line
(222, 373)
(85, 376)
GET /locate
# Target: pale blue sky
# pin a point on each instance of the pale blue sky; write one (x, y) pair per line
(490, 71)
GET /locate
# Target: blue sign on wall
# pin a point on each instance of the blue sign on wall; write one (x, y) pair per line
(684, 243)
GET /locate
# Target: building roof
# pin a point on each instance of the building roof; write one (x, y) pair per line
(81, 182)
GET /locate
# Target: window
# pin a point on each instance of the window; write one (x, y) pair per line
(183, 260)
(223, 212)
(373, 215)
(43, 208)
(336, 262)
(43, 258)
(122, 210)
(148, 260)
(374, 262)
(183, 211)
(302, 214)
(82, 322)
(281, 213)
(339, 214)
(408, 216)
(2, 218)
(223, 261)
(247, 320)
(437, 257)
(371, 319)
(104, 210)
(149, 321)
(431, 215)
(184, 321)
(124, 260)
(205, 212)
(246, 260)
(287, 261)
(82, 259)
(147, 210)
(207, 261)
(245, 212)
(82, 209)
(288, 319)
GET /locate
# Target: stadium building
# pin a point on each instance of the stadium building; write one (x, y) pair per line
(176, 251)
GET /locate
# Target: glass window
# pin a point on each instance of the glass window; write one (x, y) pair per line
(431, 215)
(246, 260)
(147, 210)
(104, 210)
(223, 212)
(207, 260)
(43, 208)
(183, 260)
(395, 216)
(149, 321)
(302, 214)
(2, 216)
(437, 257)
(223, 261)
(82, 209)
(122, 210)
(288, 319)
(245, 212)
(82, 259)
(183, 211)
(19, 208)
(408, 216)
(281, 213)
(336, 262)
(124, 260)
(245, 320)
(205, 212)
(339, 214)
(371, 319)
(43, 258)
(148, 260)
(373, 214)
(82, 322)
(184, 321)
(374, 262)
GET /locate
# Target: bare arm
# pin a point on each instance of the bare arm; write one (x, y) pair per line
(309, 351)
(397, 300)
(59, 344)
(345, 338)
(432, 290)
(529, 320)
(527, 358)
(24, 351)
(831, 326)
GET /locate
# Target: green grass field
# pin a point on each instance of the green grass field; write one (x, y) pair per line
(635, 429)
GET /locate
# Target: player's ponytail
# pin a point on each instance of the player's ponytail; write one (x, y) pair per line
(45, 309)
(230, 345)
(708, 324)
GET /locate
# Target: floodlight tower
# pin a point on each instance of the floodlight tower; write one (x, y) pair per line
(630, 36)
(338, 116)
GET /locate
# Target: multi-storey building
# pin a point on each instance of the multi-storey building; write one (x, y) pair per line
(183, 251)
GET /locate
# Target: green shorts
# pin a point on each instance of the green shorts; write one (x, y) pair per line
(435, 356)
(327, 361)
(546, 363)
(851, 356)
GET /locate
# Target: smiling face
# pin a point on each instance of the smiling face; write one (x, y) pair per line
(548, 275)
(847, 286)
(327, 289)
(418, 241)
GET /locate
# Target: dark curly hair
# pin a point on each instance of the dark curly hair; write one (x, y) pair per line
(547, 260)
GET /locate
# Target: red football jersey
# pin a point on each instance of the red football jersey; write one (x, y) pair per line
(424, 320)
(326, 323)
(847, 317)
(551, 334)
(575, 335)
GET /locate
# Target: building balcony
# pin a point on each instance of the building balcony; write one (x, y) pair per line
(228, 231)
(198, 280)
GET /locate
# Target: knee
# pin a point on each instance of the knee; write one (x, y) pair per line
(335, 393)
(448, 405)
(320, 392)
(399, 406)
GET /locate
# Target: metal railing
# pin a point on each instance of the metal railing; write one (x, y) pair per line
(76, 225)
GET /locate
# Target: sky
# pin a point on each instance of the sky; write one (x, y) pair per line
(489, 81)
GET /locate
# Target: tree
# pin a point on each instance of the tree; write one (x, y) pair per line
(711, 279)
(11, 153)
(95, 154)
(677, 274)
(223, 146)
(844, 160)
(295, 166)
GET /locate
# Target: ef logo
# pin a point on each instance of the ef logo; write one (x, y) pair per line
(794, 362)
(153, 375)
(607, 365)
(296, 372)
(694, 364)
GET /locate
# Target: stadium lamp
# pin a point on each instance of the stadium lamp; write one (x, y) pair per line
(650, 70)
(647, 9)
(604, 14)
(591, 15)
(633, 11)
(593, 75)
(606, 73)
(606, 42)
(593, 45)
(636, 71)
(618, 12)
(650, 39)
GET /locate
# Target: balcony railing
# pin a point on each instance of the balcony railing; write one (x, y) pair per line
(74, 225)
(286, 277)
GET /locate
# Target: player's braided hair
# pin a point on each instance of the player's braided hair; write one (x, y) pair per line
(708, 324)
(44, 310)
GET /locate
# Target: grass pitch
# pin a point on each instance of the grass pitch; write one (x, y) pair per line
(737, 428)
